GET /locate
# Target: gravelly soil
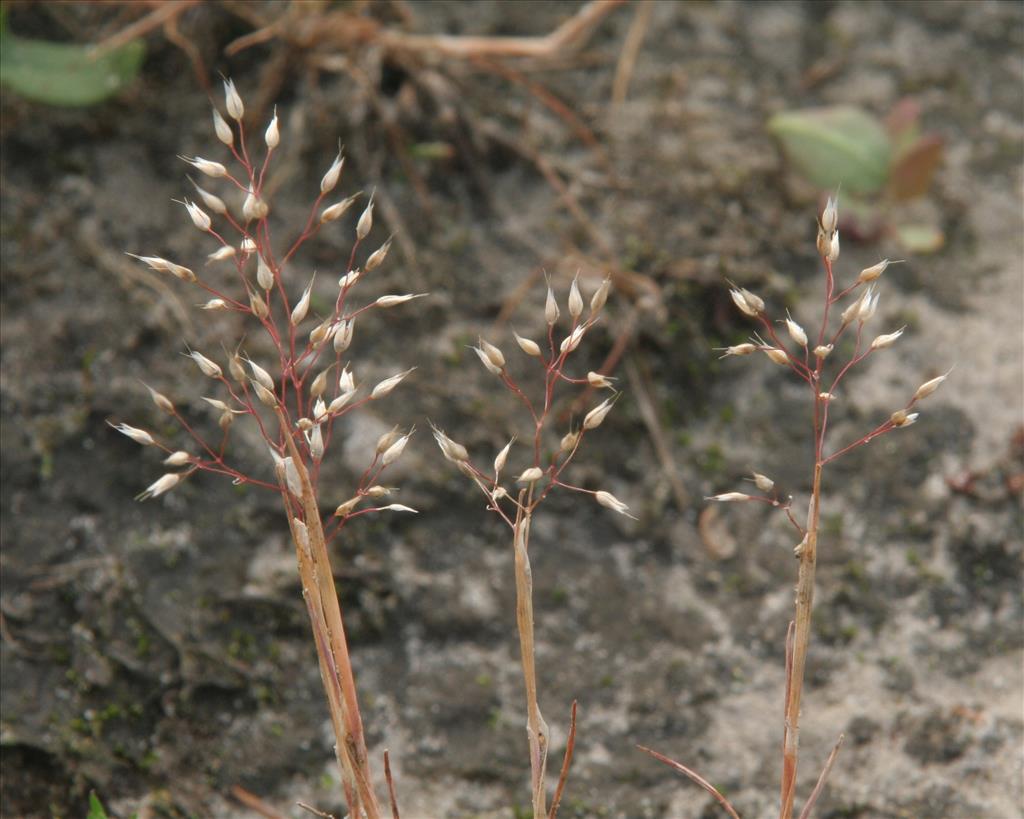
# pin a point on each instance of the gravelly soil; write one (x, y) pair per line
(159, 653)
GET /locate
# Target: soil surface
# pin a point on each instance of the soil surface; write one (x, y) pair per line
(160, 654)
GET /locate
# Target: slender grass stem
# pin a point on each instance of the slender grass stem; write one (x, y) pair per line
(537, 728)
(318, 582)
(801, 640)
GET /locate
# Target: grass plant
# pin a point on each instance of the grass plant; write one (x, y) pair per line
(516, 500)
(808, 357)
(295, 401)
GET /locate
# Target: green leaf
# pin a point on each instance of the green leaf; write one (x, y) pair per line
(65, 73)
(432, 150)
(95, 807)
(920, 239)
(835, 146)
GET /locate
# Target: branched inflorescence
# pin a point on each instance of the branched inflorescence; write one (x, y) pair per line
(807, 362)
(515, 499)
(294, 409)
(806, 356)
(540, 477)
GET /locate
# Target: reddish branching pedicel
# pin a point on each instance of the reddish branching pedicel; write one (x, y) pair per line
(808, 363)
(515, 498)
(314, 386)
(293, 401)
(805, 356)
(536, 481)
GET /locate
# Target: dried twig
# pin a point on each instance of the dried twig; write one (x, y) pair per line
(568, 37)
(315, 811)
(493, 131)
(545, 97)
(161, 14)
(253, 802)
(630, 50)
(639, 388)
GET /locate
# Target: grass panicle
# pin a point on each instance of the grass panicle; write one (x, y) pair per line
(808, 363)
(294, 397)
(515, 500)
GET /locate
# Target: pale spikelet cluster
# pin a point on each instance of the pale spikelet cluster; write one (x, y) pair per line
(806, 357)
(515, 493)
(298, 386)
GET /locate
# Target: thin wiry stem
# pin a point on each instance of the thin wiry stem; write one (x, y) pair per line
(696, 777)
(563, 776)
(820, 785)
(392, 797)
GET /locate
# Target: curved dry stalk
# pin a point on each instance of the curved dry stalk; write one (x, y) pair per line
(254, 803)
(144, 25)
(563, 776)
(315, 811)
(694, 776)
(630, 51)
(820, 786)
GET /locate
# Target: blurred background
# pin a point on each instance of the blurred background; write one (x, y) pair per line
(159, 653)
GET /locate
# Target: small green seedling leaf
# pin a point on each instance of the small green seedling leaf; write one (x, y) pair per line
(920, 239)
(913, 169)
(64, 73)
(832, 147)
(432, 150)
(95, 807)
